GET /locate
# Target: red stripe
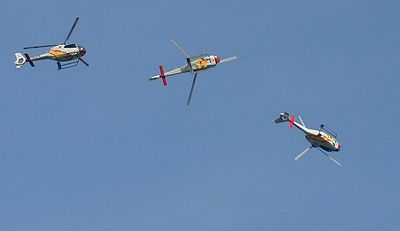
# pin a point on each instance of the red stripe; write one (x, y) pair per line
(162, 71)
(162, 75)
(291, 122)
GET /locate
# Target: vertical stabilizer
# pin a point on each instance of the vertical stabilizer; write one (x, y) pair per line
(20, 60)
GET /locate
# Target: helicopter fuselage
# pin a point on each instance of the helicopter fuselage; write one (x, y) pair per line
(198, 63)
(70, 53)
(204, 62)
(62, 53)
(320, 139)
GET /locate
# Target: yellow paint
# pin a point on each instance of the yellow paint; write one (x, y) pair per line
(321, 139)
(56, 52)
(202, 63)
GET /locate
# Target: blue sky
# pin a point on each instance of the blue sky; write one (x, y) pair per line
(102, 148)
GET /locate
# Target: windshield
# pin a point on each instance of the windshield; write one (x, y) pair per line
(70, 46)
(329, 131)
(198, 56)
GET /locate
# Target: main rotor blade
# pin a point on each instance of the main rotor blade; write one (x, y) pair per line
(72, 28)
(302, 153)
(41, 46)
(228, 59)
(181, 49)
(191, 89)
(302, 122)
(330, 157)
(84, 62)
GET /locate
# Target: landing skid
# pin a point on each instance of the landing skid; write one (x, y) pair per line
(67, 65)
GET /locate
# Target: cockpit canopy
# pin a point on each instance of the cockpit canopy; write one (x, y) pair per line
(71, 46)
(329, 131)
(81, 49)
(198, 56)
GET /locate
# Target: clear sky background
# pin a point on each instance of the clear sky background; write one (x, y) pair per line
(102, 148)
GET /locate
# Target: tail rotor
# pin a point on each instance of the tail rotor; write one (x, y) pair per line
(291, 122)
(285, 117)
(162, 76)
(21, 59)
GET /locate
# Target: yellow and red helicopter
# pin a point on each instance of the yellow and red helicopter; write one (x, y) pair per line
(194, 65)
(323, 139)
(70, 53)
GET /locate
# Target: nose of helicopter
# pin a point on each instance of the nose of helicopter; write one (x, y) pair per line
(339, 147)
(82, 51)
(217, 59)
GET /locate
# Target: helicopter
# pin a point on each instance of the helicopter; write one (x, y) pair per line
(324, 139)
(194, 65)
(70, 53)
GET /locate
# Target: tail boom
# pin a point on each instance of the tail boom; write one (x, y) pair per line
(165, 75)
(285, 117)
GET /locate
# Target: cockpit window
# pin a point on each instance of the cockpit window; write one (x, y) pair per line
(70, 46)
(329, 131)
(198, 56)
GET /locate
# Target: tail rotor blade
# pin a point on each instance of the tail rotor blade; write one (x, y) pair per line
(162, 75)
(72, 28)
(330, 157)
(302, 153)
(84, 62)
(228, 59)
(191, 89)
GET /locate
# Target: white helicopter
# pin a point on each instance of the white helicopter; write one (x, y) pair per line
(71, 53)
(194, 64)
(323, 139)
